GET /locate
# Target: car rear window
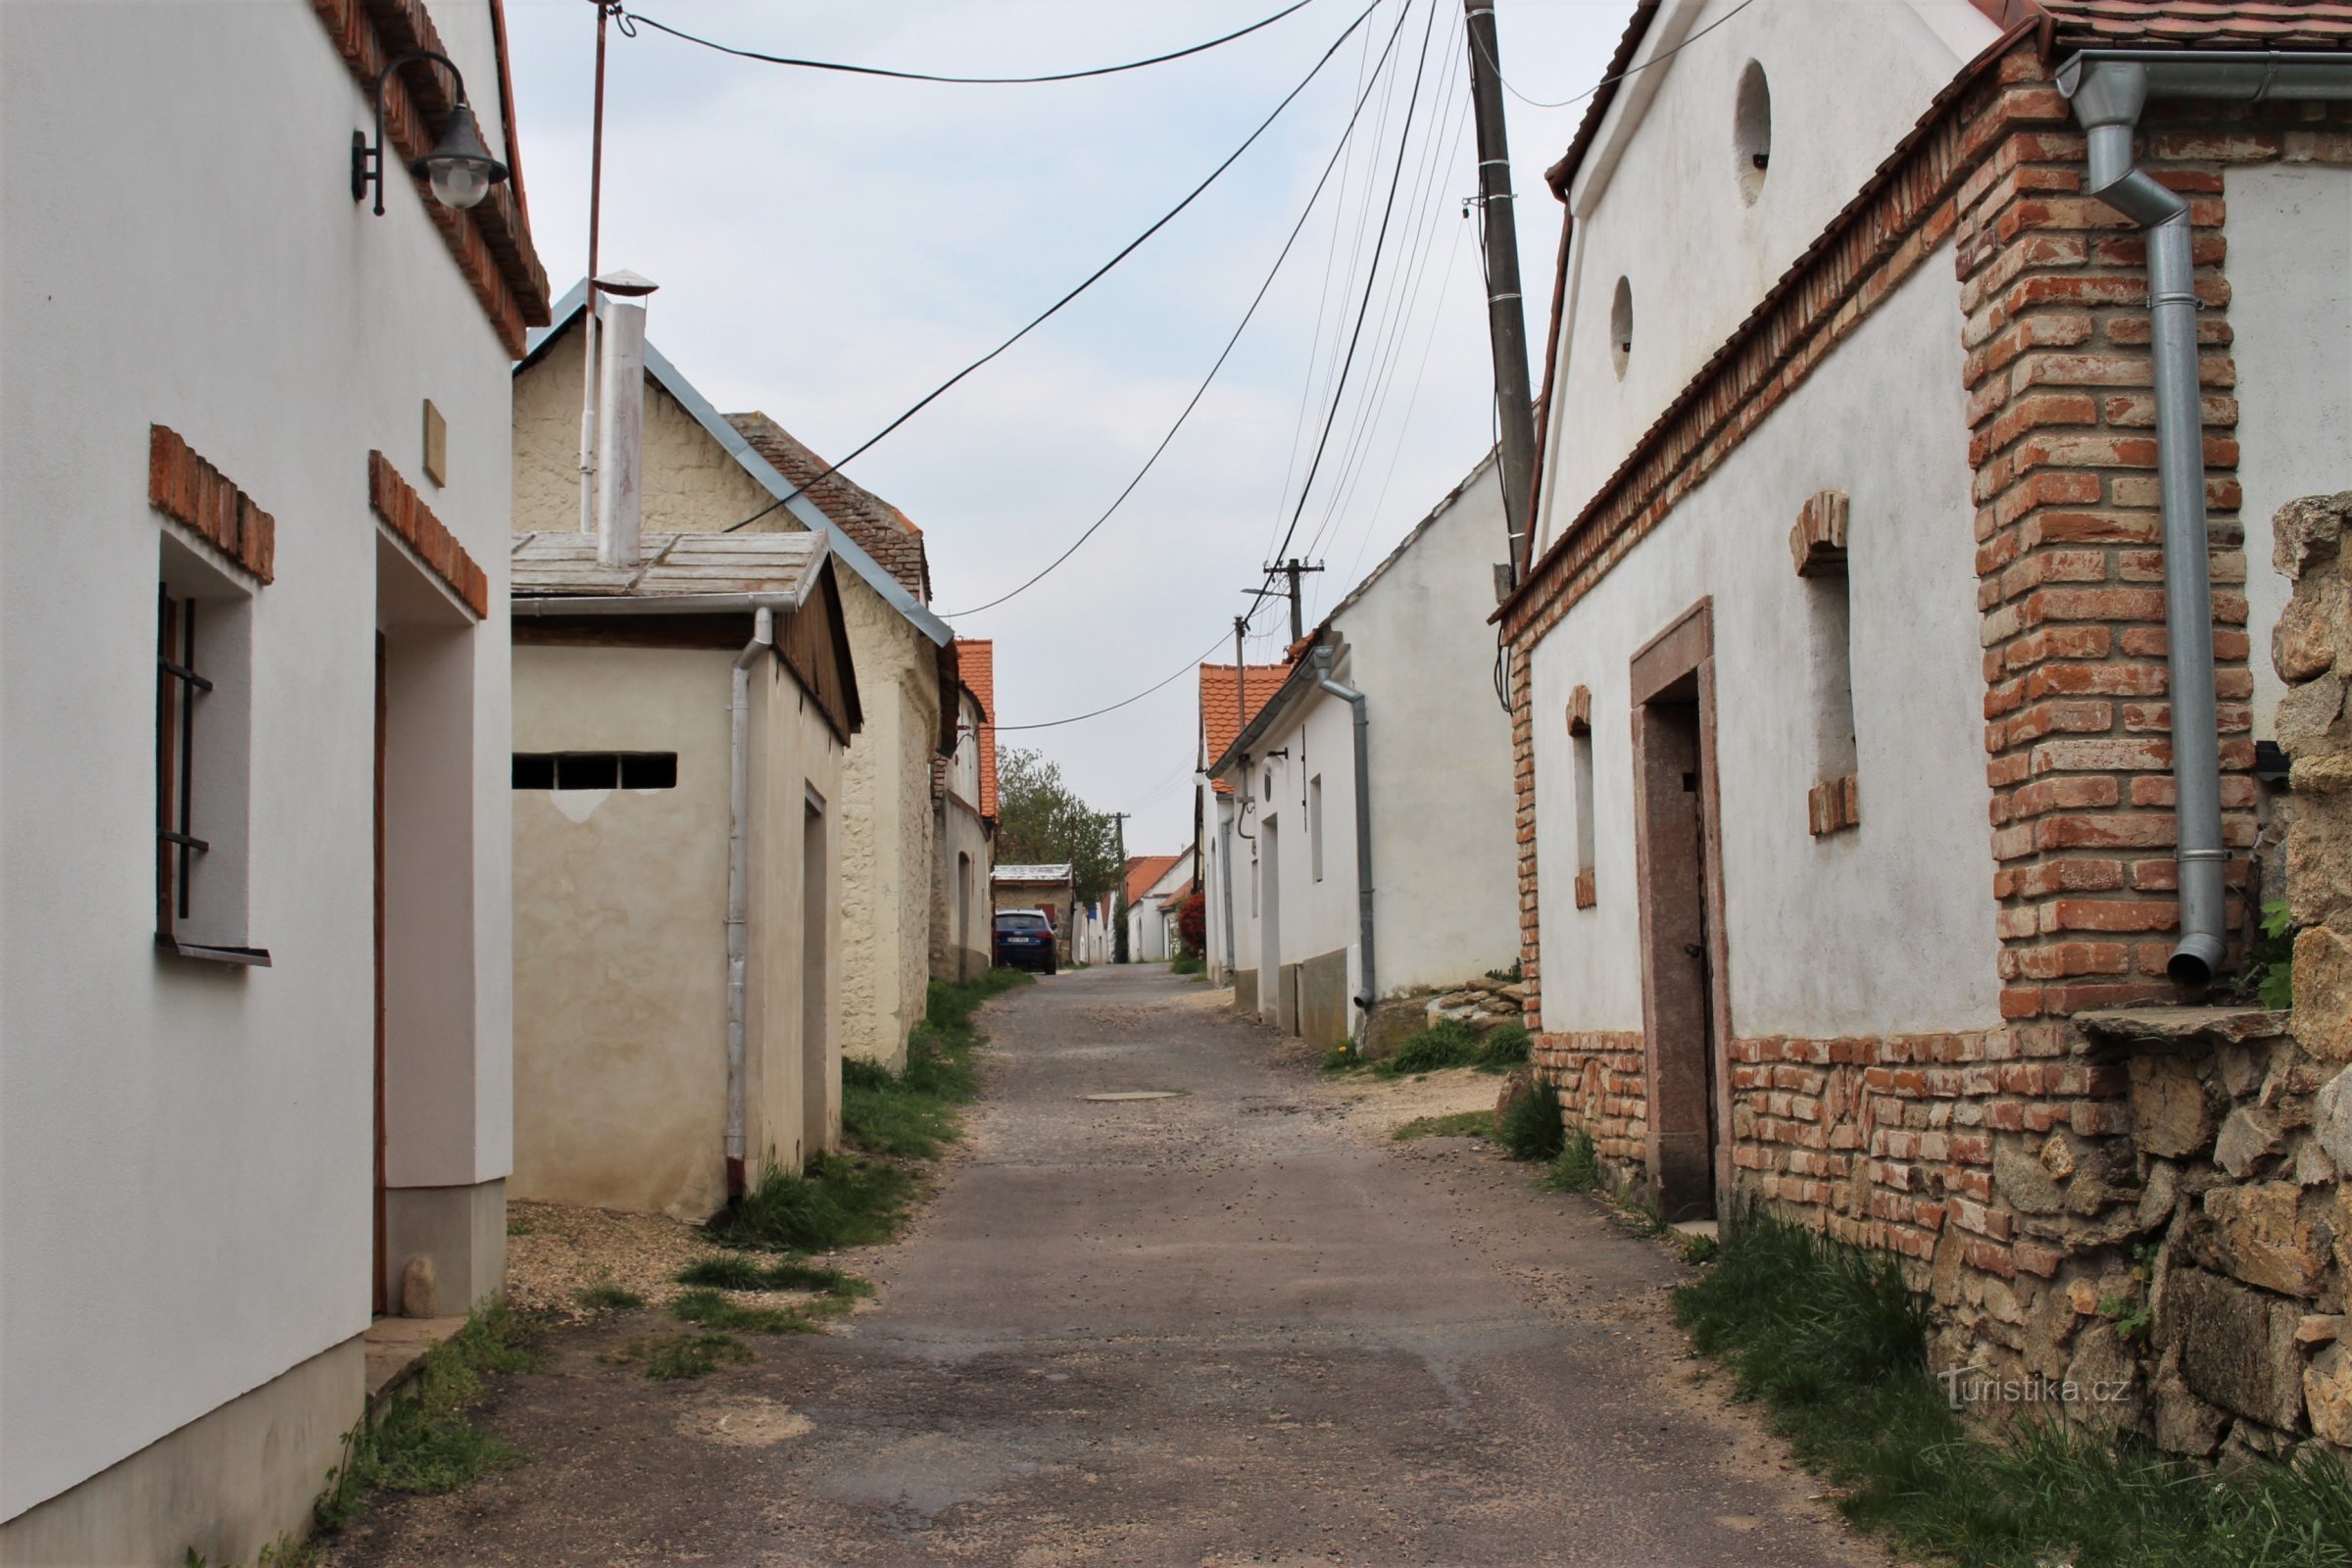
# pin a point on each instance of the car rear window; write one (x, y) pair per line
(1022, 922)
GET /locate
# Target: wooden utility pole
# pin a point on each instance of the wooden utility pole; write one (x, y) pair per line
(1294, 568)
(1506, 321)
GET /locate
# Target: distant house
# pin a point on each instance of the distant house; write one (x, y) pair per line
(1051, 888)
(964, 797)
(253, 867)
(680, 726)
(707, 472)
(1230, 696)
(1388, 721)
(1151, 880)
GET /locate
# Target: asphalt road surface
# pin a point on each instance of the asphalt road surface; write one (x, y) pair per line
(1236, 1325)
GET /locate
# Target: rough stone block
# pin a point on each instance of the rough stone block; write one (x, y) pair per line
(2324, 992)
(2169, 1113)
(2248, 1136)
(2328, 1394)
(2021, 1181)
(2264, 1236)
(2237, 1346)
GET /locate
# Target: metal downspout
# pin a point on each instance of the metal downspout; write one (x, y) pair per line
(739, 810)
(2108, 103)
(1225, 866)
(1363, 824)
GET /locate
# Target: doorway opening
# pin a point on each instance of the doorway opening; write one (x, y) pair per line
(1685, 1003)
(1269, 923)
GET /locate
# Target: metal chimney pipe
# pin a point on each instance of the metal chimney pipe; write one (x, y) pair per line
(620, 433)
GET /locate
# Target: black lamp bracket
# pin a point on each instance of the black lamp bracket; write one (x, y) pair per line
(367, 160)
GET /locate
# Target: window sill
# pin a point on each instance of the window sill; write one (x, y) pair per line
(241, 958)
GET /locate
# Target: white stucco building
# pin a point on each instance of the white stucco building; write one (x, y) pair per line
(1153, 885)
(1840, 666)
(964, 793)
(1229, 695)
(1435, 793)
(677, 881)
(704, 471)
(253, 1000)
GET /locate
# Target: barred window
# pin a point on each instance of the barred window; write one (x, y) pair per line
(202, 765)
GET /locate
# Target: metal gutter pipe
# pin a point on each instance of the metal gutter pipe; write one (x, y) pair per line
(739, 810)
(1225, 864)
(1363, 822)
(2108, 90)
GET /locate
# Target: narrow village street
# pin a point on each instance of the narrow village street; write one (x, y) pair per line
(1234, 1325)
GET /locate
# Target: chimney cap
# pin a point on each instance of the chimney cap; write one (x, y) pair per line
(626, 284)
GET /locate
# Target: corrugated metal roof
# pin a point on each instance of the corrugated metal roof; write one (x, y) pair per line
(551, 565)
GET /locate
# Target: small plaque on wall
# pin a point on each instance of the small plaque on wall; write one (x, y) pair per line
(436, 444)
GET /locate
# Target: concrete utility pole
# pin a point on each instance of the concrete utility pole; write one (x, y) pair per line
(1507, 321)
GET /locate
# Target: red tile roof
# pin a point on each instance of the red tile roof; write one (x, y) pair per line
(881, 529)
(1175, 899)
(977, 658)
(2262, 23)
(1144, 870)
(1221, 716)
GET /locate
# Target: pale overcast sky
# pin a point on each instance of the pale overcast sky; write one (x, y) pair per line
(831, 247)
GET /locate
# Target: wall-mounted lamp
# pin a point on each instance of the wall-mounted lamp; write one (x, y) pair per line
(460, 169)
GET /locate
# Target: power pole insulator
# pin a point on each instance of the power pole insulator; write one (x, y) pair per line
(1506, 320)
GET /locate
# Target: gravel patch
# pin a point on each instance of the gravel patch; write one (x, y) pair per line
(555, 1251)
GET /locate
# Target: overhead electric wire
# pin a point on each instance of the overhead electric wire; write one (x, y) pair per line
(1055, 723)
(1226, 353)
(1630, 71)
(1378, 243)
(964, 81)
(1089, 280)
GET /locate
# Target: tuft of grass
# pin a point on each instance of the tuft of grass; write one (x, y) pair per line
(1505, 1049)
(1531, 1127)
(1450, 1044)
(838, 1201)
(422, 1440)
(910, 1114)
(714, 1309)
(1699, 1249)
(668, 1358)
(1461, 1124)
(732, 1271)
(1577, 1169)
(1831, 1342)
(1187, 963)
(610, 1298)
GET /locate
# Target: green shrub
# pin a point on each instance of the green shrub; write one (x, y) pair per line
(1530, 1126)
(1186, 963)
(1578, 1167)
(1505, 1049)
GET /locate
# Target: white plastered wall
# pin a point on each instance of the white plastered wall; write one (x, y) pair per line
(1657, 200)
(2290, 317)
(1808, 920)
(174, 256)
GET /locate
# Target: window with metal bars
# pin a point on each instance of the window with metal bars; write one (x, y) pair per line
(201, 731)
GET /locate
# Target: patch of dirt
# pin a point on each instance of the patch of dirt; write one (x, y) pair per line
(746, 1423)
(1370, 1109)
(555, 1251)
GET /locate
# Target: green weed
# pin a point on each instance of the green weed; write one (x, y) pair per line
(1449, 1044)
(1578, 1167)
(1831, 1342)
(2272, 960)
(1187, 963)
(1461, 1124)
(420, 1441)
(610, 1298)
(713, 1309)
(1530, 1127)
(668, 1358)
(1505, 1049)
(838, 1201)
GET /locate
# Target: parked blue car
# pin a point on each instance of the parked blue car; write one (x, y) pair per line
(1025, 941)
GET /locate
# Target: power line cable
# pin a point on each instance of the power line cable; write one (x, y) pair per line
(1662, 55)
(1202, 390)
(1378, 243)
(1091, 279)
(637, 19)
(1193, 662)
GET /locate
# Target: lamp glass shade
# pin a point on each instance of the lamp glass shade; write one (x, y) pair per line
(460, 168)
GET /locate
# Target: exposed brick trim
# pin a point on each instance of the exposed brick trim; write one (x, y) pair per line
(2070, 559)
(1580, 711)
(1588, 889)
(411, 522)
(491, 243)
(194, 494)
(1523, 820)
(1818, 540)
(1833, 806)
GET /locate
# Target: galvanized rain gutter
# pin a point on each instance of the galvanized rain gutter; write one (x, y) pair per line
(1363, 821)
(2108, 89)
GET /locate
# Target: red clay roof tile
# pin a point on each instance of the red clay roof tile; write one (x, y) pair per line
(1221, 716)
(1144, 870)
(976, 656)
(881, 529)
